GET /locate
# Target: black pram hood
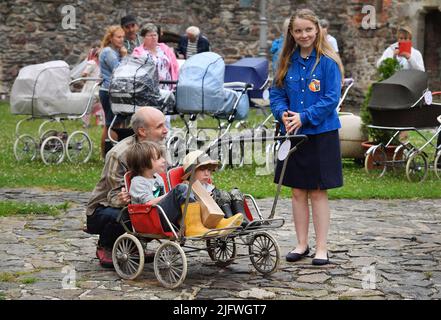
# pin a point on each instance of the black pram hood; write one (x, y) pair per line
(400, 91)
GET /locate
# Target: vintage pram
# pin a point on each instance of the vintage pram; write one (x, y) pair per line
(201, 91)
(170, 260)
(403, 102)
(42, 91)
(134, 84)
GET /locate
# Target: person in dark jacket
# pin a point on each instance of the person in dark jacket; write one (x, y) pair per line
(192, 43)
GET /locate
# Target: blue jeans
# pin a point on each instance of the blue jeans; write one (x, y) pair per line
(103, 222)
(172, 203)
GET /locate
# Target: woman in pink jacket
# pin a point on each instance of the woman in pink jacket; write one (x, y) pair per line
(162, 54)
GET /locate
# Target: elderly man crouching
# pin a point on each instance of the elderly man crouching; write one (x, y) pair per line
(109, 195)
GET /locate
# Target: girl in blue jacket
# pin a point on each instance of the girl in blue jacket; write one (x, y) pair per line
(304, 96)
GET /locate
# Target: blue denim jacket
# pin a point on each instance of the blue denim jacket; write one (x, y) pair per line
(313, 94)
(109, 60)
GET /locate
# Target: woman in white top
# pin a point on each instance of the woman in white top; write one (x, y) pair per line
(412, 60)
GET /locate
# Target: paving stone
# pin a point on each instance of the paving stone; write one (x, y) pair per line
(256, 293)
(314, 278)
(397, 238)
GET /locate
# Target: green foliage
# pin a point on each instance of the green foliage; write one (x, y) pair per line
(8, 208)
(387, 68)
(83, 177)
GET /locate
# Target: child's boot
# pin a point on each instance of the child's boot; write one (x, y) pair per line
(222, 198)
(233, 221)
(237, 205)
(193, 223)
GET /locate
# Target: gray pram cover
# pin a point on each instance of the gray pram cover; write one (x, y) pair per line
(135, 83)
(201, 88)
(43, 90)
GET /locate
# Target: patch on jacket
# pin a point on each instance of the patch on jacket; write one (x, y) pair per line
(314, 86)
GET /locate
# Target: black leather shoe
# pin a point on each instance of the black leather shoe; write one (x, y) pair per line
(293, 256)
(320, 262)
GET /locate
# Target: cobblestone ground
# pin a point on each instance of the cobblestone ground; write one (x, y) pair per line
(379, 249)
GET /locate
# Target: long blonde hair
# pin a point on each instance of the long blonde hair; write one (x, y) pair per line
(110, 31)
(322, 47)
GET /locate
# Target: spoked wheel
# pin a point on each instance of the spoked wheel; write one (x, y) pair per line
(170, 265)
(78, 147)
(399, 157)
(416, 167)
(173, 147)
(375, 161)
(437, 165)
(222, 251)
(271, 156)
(25, 148)
(235, 154)
(264, 253)
(128, 257)
(48, 133)
(52, 150)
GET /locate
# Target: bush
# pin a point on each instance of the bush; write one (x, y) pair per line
(387, 68)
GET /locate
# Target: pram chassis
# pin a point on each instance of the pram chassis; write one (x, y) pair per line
(170, 261)
(405, 154)
(55, 145)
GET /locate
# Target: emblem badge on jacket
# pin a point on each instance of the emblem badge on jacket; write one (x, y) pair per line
(314, 86)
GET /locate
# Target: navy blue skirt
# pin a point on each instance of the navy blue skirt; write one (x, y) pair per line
(316, 164)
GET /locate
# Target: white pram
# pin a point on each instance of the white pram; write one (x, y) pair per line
(42, 91)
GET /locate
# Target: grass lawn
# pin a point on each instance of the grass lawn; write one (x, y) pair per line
(83, 177)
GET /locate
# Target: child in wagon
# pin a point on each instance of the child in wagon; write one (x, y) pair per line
(231, 202)
(146, 161)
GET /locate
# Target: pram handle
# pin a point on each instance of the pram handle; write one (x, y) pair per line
(236, 84)
(85, 79)
(168, 81)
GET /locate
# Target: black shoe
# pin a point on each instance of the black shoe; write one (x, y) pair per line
(223, 200)
(237, 205)
(320, 262)
(293, 256)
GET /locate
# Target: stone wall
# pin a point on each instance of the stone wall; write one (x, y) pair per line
(31, 31)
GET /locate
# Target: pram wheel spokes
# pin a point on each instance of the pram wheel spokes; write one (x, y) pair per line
(170, 265)
(25, 148)
(416, 167)
(128, 257)
(222, 251)
(264, 252)
(79, 147)
(437, 164)
(48, 133)
(375, 161)
(52, 150)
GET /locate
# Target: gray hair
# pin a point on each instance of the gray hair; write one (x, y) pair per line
(149, 27)
(193, 30)
(137, 121)
(324, 23)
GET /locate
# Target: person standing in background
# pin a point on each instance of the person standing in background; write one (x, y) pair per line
(324, 24)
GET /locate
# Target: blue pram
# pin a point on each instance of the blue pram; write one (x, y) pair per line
(249, 70)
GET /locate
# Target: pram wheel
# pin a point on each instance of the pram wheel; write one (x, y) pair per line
(264, 252)
(170, 265)
(128, 257)
(375, 161)
(437, 164)
(78, 147)
(52, 150)
(416, 167)
(25, 148)
(222, 251)
(48, 133)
